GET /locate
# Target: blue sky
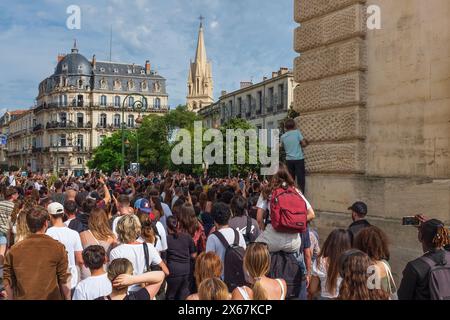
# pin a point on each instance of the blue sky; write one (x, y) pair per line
(245, 39)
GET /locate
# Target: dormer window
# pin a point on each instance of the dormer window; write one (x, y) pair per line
(130, 85)
(80, 68)
(142, 71)
(116, 70)
(103, 84)
(64, 67)
(144, 85)
(80, 84)
(117, 85)
(130, 71)
(102, 69)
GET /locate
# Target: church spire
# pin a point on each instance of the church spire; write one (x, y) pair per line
(200, 83)
(200, 55)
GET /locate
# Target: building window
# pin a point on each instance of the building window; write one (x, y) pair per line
(239, 111)
(62, 161)
(63, 100)
(249, 105)
(117, 120)
(260, 101)
(116, 101)
(130, 101)
(130, 121)
(103, 100)
(280, 101)
(62, 140)
(80, 161)
(63, 118)
(103, 120)
(271, 98)
(80, 140)
(158, 103)
(80, 120)
(80, 102)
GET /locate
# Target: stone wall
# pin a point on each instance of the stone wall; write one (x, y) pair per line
(375, 105)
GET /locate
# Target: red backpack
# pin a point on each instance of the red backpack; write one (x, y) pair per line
(288, 212)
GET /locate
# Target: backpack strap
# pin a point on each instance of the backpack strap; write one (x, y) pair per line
(222, 239)
(236, 238)
(249, 228)
(147, 257)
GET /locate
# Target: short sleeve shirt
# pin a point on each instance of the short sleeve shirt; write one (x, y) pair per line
(291, 143)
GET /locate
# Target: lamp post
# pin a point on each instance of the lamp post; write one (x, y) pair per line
(138, 124)
(138, 105)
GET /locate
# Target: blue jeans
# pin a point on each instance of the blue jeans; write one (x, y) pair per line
(303, 294)
(3, 239)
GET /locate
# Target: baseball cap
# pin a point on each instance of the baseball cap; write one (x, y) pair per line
(55, 208)
(359, 207)
(143, 205)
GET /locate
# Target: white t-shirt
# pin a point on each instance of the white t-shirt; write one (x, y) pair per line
(71, 240)
(167, 213)
(93, 287)
(135, 253)
(320, 271)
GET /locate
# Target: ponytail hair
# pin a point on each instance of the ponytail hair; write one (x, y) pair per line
(257, 264)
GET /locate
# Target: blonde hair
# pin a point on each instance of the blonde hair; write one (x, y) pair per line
(22, 230)
(128, 228)
(207, 265)
(213, 289)
(117, 267)
(257, 264)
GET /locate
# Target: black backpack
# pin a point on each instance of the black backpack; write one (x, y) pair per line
(234, 261)
(285, 266)
(439, 277)
(248, 237)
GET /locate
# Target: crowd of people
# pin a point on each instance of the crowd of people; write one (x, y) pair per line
(179, 237)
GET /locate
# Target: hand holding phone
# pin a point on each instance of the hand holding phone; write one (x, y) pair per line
(411, 221)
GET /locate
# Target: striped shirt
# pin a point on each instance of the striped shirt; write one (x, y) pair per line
(6, 207)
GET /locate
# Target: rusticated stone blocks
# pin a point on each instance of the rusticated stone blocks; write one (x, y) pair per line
(308, 9)
(339, 91)
(343, 124)
(336, 26)
(346, 157)
(331, 60)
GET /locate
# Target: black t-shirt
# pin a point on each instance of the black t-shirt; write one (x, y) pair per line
(178, 254)
(141, 294)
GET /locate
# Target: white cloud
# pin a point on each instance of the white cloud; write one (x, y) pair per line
(214, 24)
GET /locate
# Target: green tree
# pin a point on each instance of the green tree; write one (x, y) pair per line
(221, 170)
(108, 156)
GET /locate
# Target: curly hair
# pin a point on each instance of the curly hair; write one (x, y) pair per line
(374, 242)
(354, 266)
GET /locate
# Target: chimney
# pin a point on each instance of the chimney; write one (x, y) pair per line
(60, 57)
(147, 67)
(223, 92)
(245, 84)
(94, 61)
(283, 70)
(274, 74)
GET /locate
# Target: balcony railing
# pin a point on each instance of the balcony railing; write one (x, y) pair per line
(67, 124)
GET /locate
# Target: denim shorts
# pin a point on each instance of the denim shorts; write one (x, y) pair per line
(3, 239)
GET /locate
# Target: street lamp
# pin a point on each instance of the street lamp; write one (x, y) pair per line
(138, 105)
(138, 124)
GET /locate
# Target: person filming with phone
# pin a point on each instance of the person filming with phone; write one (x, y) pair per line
(428, 277)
